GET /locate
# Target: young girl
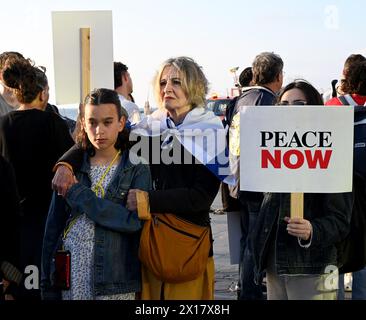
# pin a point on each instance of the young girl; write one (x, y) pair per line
(100, 233)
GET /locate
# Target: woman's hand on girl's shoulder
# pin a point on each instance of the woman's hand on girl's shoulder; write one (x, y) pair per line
(63, 180)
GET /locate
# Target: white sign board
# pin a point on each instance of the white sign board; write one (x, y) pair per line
(67, 52)
(296, 149)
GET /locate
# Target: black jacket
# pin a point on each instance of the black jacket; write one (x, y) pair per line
(330, 216)
(32, 141)
(9, 233)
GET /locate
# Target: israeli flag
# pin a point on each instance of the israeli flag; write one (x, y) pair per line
(201, 133)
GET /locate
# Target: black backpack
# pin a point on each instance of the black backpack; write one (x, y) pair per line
(352, 250)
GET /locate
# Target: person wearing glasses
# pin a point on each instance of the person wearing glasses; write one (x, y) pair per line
(299, 93)
(298, 254)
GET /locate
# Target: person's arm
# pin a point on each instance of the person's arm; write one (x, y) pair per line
(104, 212)
(65, 167)
(63, 178)
(196, 198)
(107, 213)
(138, 195)
(73, 156)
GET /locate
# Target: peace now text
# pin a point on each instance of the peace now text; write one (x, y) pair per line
(294, 158)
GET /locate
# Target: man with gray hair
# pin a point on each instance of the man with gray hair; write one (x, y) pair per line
(267, 81)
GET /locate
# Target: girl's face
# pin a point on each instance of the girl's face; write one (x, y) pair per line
(293, 97)
(102, 126)
(171, 92)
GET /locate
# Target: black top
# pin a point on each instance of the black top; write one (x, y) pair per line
(32, 141)
(187, 189)
(9, 214)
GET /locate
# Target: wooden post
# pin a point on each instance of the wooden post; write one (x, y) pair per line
(297, 205)
(85, 62)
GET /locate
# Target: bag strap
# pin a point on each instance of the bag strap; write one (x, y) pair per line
(350, 100)
(347, 100)
(343, 100)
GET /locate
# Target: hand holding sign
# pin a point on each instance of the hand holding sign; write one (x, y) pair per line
(298, 227)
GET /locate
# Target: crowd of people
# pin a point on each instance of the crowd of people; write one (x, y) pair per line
(92, 205)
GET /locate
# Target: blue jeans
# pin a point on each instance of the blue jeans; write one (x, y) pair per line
(340, 293)
(358, 285)
(248, 289)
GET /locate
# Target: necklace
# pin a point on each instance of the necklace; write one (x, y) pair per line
(98, 186)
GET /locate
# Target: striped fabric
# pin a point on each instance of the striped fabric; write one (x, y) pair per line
(10, 272)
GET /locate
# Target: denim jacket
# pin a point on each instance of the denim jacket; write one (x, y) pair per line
(330, 216)
(117, 230)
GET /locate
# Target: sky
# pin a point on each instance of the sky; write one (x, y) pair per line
(313, 37)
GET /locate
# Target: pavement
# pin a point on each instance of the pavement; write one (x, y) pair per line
(226, 275)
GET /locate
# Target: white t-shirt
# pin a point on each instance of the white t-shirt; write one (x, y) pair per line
(131, 108)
